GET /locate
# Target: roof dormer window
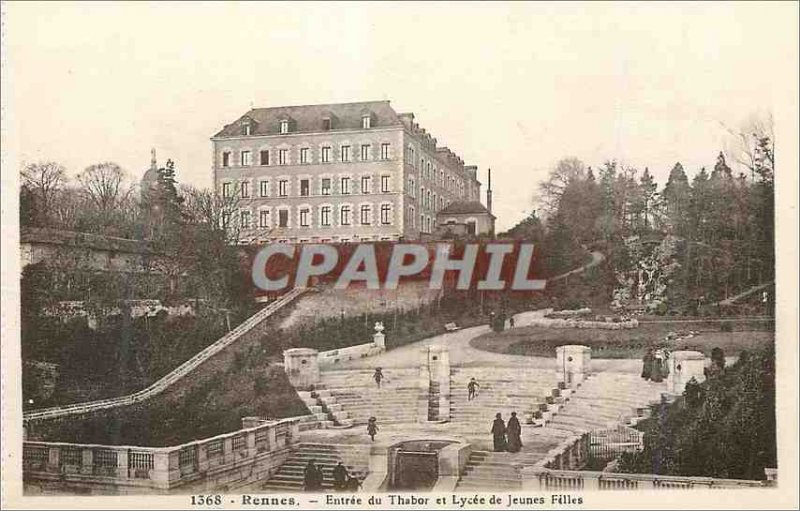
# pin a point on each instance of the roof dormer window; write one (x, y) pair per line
(366, 121)
(247, 129)
(326, 124)
(284, 126)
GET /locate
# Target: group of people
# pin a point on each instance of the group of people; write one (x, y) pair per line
(654, 364)
(342, 480)
(507, 437)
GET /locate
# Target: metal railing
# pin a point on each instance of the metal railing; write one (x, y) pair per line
(173, 376)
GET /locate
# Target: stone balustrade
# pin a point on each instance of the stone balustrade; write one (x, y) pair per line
(220, 459)
(540, 479)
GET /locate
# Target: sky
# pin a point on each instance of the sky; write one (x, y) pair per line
(512, 87)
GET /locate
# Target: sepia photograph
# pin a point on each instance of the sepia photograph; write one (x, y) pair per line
(405, 255)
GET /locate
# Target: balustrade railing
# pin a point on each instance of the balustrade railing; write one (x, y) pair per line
(158, 467)
(534, 478)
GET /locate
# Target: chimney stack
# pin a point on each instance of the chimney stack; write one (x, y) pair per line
(489, 193)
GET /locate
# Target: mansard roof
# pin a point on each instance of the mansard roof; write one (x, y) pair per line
(308, 118)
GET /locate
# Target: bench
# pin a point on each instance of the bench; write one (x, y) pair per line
(451, 327)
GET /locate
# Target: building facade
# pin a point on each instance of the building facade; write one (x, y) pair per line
(336, 173)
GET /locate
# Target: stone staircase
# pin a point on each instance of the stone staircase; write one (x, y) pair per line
(495, 470)
(606, 400)
(351, 397)
(506, 390)
(289, 476)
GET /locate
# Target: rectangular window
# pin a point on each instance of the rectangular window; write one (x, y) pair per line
(304, 155)
(263, 188)
(326, 124)
(344, 215)
(226, 189)
(326, 186)
(263, 218)
(304, 217)
(365, 211)
(345, 153)
(365, 184)
(283, 156)
(385, 211)
(264, 158)
(326, 154)
(284, 127)
(283, 218)
(413, 216)
(245, 158)
(282, 187)
(366, 122)
(422, 222)
(384, 151)
(226, 159)
(325, 216)
(385, 184)
(304, 187)
(247, 130)
(365, 152)
(345, 186)
(245, 219)
(245, 188)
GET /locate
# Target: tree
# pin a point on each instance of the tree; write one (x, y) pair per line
(42, 181)
(677, 197)
(103, 185)
(529, 229)
(550, 190)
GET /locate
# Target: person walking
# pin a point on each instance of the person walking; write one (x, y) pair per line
(340, 476)
(311, 477)
(657, 372)
(647, 364)
(471, 388)
(372, 427)
(499, 433)
(378, 376)
(514, 430)
(511, 321)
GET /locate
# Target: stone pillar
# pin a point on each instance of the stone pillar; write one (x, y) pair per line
(122, 464)
(302, 367)
(272, 439)
(572, 364)
(439, 363)
(53, 459)
(160, 472)
(683, 366)
(379, 339)
(424, 383)
(87, 461)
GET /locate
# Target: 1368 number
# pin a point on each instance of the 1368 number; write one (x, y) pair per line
(206, 500)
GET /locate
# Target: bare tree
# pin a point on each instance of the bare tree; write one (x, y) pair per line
(44, 180)
(551, 190)
(753, 144)
(104, 185)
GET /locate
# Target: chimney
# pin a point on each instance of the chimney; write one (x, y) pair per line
(489, 193)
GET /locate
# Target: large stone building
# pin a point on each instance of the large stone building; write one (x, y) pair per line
(336, 173)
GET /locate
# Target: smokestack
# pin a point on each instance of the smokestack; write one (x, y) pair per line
(489, 193)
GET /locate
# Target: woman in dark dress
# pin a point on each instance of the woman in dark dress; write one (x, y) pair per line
(514, 433)
(647, 364)
(499, 433)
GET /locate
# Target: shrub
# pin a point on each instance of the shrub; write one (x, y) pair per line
(726, 326)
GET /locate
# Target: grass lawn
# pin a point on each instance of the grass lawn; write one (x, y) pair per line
(542, 342)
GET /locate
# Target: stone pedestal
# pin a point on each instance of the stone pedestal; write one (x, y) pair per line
(572, 364)
(683, 366)
(302, 367)
(378, 338)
